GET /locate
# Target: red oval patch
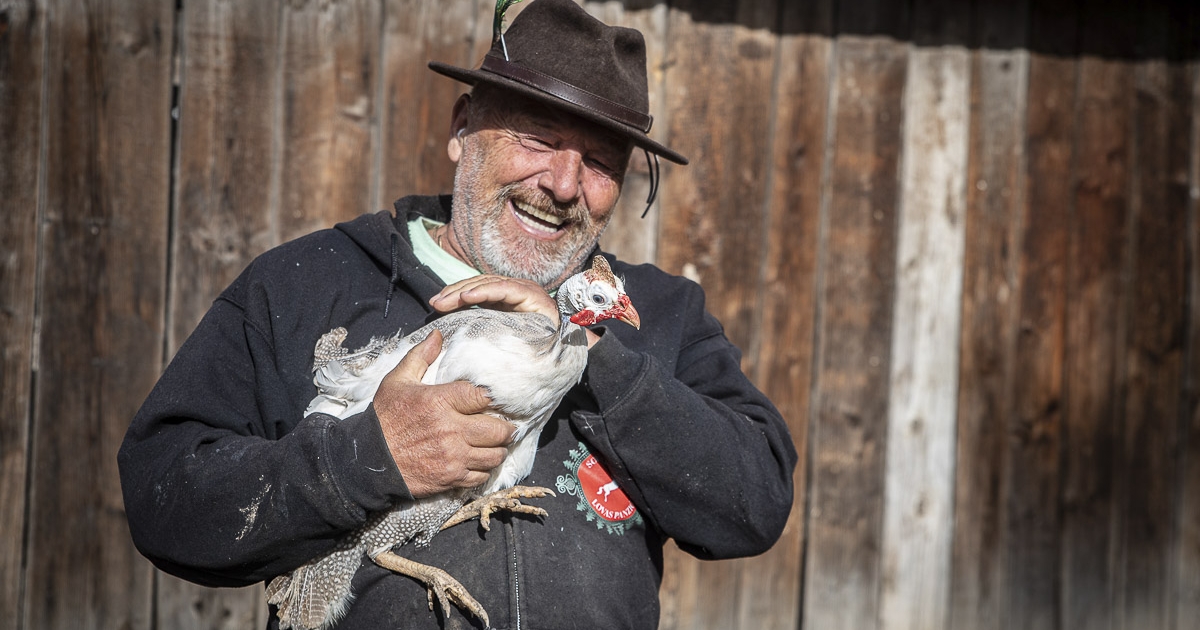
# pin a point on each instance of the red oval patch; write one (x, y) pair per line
(602, 493)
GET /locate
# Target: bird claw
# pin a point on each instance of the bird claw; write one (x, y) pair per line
(439, 585)
(507, 500)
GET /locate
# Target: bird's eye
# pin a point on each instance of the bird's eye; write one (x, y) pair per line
(597, 298)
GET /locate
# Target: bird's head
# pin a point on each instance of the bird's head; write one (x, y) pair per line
(595, 295)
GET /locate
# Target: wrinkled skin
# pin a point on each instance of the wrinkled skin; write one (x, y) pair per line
(514, 156)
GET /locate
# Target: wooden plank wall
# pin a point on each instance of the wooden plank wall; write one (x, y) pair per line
(957, 240)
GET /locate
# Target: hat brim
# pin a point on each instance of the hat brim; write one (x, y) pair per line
(639, 138)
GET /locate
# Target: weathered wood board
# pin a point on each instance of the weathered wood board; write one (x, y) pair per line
(328, 113)
(416, 102)
(1186, 589)
(22, 69)
(1098, 250)
(716, 231)
(848, 437)
(1155, 346)
(995, 189)
(926, 325)
(101, 304)
(770, 587)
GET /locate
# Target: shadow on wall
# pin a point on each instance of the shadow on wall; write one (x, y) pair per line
(1116, 29)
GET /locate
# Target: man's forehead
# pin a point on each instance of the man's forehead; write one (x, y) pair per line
(519, 110)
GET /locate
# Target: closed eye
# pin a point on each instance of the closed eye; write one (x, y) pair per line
(600, 165)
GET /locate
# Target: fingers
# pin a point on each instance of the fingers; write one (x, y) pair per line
(454, 452)
(497, 292)
(438, 435)
(414, 364)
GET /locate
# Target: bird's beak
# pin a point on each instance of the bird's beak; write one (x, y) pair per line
(628, 314)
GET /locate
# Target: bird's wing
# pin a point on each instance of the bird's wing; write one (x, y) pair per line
(346, 381)
(484, 347)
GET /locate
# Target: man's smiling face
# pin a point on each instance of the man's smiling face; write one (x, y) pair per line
(534, 188)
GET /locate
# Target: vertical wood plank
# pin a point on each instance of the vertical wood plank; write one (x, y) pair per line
(331, 53)
(22, 49)
(923, 380)
(108, 100)
(227, 106)
(850, 399)
(1157, 303)
(995, 196)
(1096, 327)
(417, 102)
(629, 236)
(1186, 592)
(225, 198)
(1032, 497)
(713, 227)
(771, 585)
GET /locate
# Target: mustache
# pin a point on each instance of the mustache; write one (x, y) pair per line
(572, 212)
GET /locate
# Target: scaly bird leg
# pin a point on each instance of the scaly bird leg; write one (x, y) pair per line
(438, 584)
(507, 500)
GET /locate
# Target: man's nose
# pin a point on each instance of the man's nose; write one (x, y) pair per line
(564, 178)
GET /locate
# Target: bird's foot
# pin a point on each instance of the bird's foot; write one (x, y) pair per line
(508, 500)
(439, 585)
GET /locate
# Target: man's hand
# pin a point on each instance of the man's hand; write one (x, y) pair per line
(502, 294)
(437, 434)
(497, 293)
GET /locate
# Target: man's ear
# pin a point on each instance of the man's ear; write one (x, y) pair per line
(458, 126)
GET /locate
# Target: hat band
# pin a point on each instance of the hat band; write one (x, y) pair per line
(568, 92)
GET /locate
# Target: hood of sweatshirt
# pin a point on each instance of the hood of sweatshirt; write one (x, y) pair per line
(385, 240)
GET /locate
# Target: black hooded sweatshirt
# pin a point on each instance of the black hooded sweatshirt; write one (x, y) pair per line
(226, 483)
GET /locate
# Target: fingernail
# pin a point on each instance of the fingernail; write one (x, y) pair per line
(512, 437)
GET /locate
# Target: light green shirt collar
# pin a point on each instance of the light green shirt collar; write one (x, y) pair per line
(447, 267)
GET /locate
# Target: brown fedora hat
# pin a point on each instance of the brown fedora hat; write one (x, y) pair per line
(559, 55)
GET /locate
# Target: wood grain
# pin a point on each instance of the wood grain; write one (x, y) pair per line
(227, 182)
(716, 227)
(1156, 346)
(22, 50)
(715, 230)
(330, 65)
(101, 304)
(850, 398)
(1095, 328)
(417, 102)
(1186, 590)
(1031, 547)
(923, 378)
(996, 183)
(771, 585)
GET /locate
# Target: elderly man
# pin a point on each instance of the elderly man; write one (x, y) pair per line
(227, 483)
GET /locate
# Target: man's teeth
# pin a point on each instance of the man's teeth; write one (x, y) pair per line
(537, 214)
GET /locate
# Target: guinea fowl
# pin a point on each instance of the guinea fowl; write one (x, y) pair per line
(524, 360)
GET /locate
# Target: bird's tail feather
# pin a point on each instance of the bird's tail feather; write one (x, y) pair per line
(316, 595)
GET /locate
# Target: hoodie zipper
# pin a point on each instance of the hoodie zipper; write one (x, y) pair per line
(516, 579)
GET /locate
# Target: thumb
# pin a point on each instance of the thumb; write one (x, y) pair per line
(414, 364)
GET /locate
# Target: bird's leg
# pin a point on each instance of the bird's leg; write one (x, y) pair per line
(508, 500)
(438, 584)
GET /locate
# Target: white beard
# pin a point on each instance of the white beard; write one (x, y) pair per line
(478, 222)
